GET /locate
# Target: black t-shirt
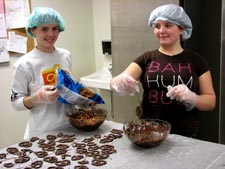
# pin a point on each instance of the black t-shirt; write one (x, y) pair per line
(158, 72)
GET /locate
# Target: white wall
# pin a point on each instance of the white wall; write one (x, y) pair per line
(87, 23)
(102, 28)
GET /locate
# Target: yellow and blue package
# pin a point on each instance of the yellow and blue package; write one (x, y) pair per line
(73, 92)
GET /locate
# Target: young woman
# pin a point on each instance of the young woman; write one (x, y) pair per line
(177, 83)
(34, 74)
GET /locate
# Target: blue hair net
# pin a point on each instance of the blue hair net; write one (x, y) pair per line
(44, 15)
(174, 14)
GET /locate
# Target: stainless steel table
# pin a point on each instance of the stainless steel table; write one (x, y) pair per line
(176, 152)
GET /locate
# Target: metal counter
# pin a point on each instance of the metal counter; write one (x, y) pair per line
(176, 152)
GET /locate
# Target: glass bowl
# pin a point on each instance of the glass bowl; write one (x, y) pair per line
(147, 132)
(87, 119)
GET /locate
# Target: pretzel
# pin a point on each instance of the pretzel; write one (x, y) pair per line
(93, 148)
(41, 141)
(116, 131)
(88, 140)
(106, 140)
(33, 139)
(92, 153)
(60, 134)
(87, 114)
(86, 93)
(90, 144)
(26, 151)
(12, 150)
(77, 157)
(83, 162)
(51, 159)
(62, 146)
(60, 151)
(101, 156)
(96, 162)
(3, 156)
(48, 148)
(54, 167)
(37, 164)
(51, 137)
(62, 163)
(41, 154)
(81, 150)
(81, 167)
(8, 165)
(66, 140)
(78, 145)
(22, 159)
(97, 136)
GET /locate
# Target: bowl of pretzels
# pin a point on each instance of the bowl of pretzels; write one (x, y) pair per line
(147, 132)
(87, 118)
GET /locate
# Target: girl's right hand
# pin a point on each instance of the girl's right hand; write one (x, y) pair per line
(124, 84)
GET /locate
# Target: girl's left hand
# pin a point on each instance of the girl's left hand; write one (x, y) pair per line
(182, 94)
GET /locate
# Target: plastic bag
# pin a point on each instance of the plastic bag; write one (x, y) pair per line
(73, 92)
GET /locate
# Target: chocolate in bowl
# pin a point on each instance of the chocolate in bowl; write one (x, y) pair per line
(147, 132)
(87, 119)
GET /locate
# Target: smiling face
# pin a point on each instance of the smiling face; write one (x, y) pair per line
(46, 36)
(167, 33)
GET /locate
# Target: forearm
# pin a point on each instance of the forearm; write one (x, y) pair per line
(205, 102)
(27, 102)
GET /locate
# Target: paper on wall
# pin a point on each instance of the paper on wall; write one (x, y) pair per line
(17, 43)
(3, 31)
(4, 54)
(17, 13)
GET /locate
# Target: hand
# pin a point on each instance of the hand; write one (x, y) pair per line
(124, 84)
(182, 94)
(46, 94)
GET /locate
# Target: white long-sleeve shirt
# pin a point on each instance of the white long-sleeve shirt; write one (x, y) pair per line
(30, 72)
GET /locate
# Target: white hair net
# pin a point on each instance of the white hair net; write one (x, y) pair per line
(44, 15)
(174, 14)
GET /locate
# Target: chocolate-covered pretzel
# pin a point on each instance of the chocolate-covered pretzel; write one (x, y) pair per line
(97, 136)
(62, 163)
(81, 167)
(41, 154)
(60, 134)
(51, 159)
(12, 150)
(60, 151)
(101, 156)
(83, 162)
(8, 165)
(93, 148)
(79, 145)
(116, 131)
(37, 164)
(2, 155)
(33, 139)
(81, 150)
(22, 159)
(66, 140)
(25, 144)
(96, 162)
(62, 146)
(51, 137)
(77, 157)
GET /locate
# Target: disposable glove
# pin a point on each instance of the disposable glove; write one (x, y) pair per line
(124, 84)
(182, 94)
(46, 94)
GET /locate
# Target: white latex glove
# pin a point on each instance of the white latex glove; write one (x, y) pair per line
(46, 94)
(182, 94)
(124, 84)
